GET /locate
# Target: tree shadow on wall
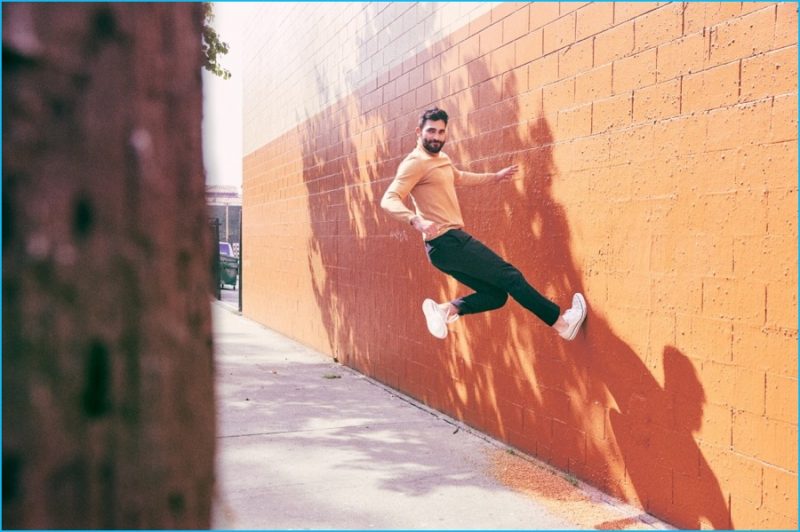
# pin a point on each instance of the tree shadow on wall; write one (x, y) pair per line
(591, 407)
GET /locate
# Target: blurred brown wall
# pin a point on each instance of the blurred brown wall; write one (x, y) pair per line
(108, 403)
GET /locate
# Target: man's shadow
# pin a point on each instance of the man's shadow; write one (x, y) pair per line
(653, 428)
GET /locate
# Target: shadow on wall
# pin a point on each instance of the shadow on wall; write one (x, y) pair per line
(590, 407)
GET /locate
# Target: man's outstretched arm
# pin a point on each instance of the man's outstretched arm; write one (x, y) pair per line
(472, 179)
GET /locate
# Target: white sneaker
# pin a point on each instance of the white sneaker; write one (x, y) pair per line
(574, 317)
(436, 318)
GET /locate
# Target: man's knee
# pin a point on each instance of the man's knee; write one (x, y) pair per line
(511, 278)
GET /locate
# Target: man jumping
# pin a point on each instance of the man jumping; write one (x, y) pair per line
(429, 177)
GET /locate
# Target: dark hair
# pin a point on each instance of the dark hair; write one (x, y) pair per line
(433, 115)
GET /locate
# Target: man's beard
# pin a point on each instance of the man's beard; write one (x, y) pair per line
(432, 146)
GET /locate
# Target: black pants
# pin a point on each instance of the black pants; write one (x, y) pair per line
(469, 261)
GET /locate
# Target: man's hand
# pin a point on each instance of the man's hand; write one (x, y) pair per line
(506, 173)
(426, 227)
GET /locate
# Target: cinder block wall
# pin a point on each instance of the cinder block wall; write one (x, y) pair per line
(658, 148)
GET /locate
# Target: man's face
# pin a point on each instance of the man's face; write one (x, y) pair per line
(433, 135)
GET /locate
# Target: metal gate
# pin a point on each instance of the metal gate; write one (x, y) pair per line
(216, 271)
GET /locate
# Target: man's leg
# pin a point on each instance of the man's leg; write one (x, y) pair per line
(486, 296)
(493, 269)
(475, 260)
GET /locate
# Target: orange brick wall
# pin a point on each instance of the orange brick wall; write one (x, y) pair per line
(658, 149)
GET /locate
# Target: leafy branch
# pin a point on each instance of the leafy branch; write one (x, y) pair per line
(212, 46)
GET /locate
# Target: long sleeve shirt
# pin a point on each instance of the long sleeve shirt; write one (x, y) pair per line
(430, 180)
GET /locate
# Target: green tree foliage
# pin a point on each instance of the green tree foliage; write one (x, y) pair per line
(213, 47)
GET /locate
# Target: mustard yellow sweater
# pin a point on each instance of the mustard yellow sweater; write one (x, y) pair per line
(430, 180)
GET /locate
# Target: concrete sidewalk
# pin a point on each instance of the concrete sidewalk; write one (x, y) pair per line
(307, 443)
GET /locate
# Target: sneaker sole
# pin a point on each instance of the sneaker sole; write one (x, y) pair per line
(431, 315)
(577, 327)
